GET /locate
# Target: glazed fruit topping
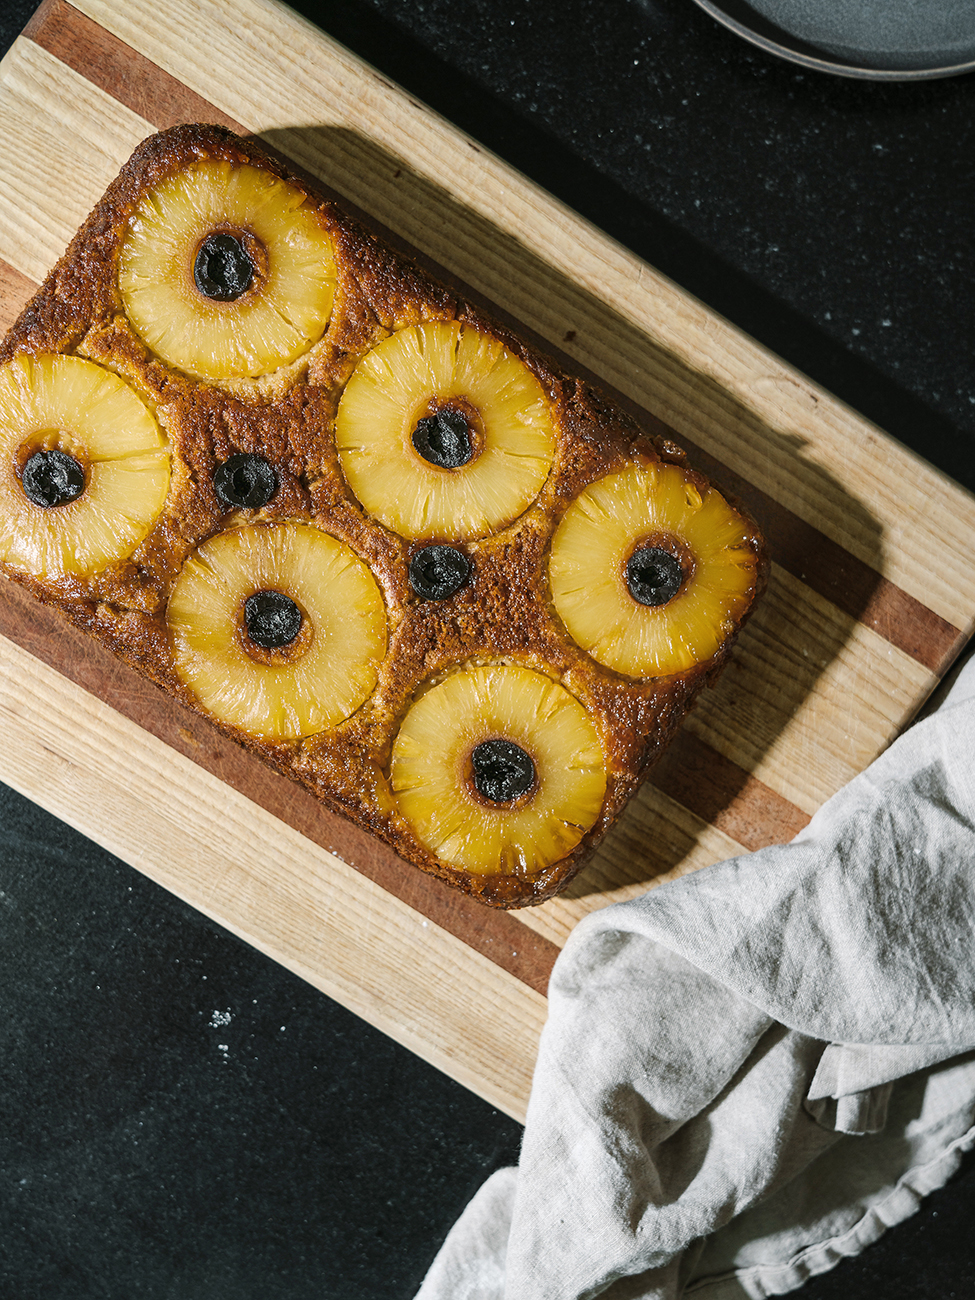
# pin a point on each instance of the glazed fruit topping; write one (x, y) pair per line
(273, 619)
(222, 269)
(443, 433)
(444, 439)
(503, 771)
(245, 480)
(52, 478)
(653, 575)
(436, 572)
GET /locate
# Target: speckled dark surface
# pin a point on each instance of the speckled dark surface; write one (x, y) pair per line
(152, 1147)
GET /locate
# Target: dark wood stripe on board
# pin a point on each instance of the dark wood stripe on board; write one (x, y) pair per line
(842, 578)
(122, 72)
(723, 794)
(45, 633)
(690, 772)
(15, 292)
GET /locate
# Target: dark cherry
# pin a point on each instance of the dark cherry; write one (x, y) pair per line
(444, 439)
(52, 478)
(503, 771)
(222, 269)
(273, 619)
(436, 572)
(245, 480)
(653, 575)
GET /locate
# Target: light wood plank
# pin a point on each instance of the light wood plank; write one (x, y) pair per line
(810, 698)
(854, 688)
(271, 70)
(658, 840)
(72, 140)
(252, 873)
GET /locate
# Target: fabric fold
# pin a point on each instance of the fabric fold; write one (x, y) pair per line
(749, 1072)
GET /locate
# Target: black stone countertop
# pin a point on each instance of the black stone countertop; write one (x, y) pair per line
(180, 1117)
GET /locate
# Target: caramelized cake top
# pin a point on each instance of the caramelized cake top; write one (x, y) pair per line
(363, 528)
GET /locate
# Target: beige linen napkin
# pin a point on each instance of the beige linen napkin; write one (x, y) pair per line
(751, 1072)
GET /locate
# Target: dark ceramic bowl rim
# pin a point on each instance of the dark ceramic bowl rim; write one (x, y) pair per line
(807, 56)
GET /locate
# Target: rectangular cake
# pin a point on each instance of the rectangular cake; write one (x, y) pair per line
(358, 525)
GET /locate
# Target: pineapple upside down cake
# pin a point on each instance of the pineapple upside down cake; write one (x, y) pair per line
(365, 530)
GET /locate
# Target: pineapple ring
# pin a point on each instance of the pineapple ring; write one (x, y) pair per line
(74, 406)
(444, 365)
(431, 770)
(276, 320)
(587, 570)
(277, 695)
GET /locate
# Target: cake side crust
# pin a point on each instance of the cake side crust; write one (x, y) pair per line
(504, 614)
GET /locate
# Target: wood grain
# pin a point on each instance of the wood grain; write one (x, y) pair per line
(44, 633)
(871, 593)
(721, 793)
(269, 884)
(15, 289)
(114, 67)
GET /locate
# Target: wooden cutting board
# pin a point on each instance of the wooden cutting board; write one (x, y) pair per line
(871, 597)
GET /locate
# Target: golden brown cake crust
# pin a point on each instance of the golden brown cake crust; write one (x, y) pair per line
(504, 614)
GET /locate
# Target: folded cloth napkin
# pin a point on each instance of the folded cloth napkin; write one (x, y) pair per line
(752, 1071)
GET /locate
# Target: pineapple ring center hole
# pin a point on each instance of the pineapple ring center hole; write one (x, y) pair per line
(273, 628)
(501, 772)
(656, 570)
(48, 475)
(449, 435)
(227, 263)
